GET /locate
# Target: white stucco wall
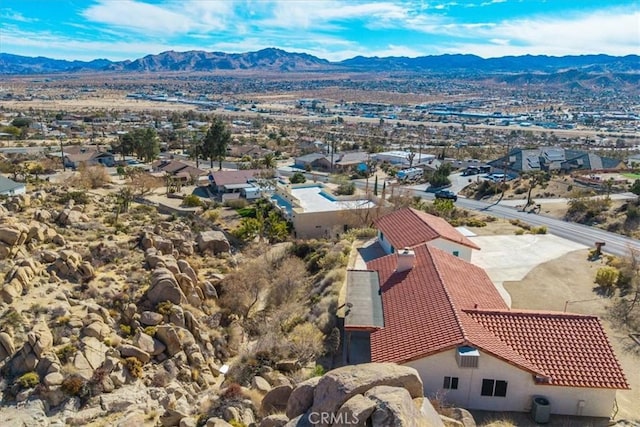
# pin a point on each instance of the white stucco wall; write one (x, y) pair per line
(15, 192)
(521, 388)
(386, 246)
(464, 252)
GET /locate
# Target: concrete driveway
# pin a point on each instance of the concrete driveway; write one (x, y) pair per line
(509, 258)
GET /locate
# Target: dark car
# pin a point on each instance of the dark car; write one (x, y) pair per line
(446, 194)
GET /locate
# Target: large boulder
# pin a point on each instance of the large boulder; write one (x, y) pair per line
(395, 408)
(7, 348)
(212, 242)
(301, 397)
(276, 399)
(71, 217)
(339, 385)
(164, 287)
(12, 235)
(356, 410)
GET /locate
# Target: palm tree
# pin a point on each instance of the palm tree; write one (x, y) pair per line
(269, 161)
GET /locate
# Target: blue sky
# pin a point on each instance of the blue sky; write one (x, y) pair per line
(331, 29)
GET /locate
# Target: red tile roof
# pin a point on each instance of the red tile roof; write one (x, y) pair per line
(572, 350)
(408, 227)
(444, 302)
(419, 305)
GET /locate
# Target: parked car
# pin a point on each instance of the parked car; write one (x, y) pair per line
(446, 194)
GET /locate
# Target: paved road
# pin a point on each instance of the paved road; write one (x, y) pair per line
(615, 244)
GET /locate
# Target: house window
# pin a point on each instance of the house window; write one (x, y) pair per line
(450, 383)
(456, 253)
(381, 235)
(495, 388)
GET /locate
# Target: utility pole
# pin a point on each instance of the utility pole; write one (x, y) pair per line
(64, 168)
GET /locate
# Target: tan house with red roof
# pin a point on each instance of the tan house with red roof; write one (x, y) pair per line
(409, 228)
(444, 317)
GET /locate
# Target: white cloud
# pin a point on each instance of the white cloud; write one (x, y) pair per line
(55, 46)
(614, 31)
(11, 15)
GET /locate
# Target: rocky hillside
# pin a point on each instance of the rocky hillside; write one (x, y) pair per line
(114, 315)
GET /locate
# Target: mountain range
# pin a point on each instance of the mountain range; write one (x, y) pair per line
(278, 60)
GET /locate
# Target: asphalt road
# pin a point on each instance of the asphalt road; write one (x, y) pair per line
(615, 244)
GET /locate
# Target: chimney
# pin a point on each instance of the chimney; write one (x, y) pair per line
(406, 259)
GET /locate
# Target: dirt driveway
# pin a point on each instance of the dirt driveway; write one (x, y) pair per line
(569, 280)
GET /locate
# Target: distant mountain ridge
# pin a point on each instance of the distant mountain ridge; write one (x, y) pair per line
(272, 59)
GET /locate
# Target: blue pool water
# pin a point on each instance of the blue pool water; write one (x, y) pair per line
(280, 201)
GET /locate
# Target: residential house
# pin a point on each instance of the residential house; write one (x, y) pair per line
(75, 155)
(316, 213)
(352, 160)
(9, 187)
(181, 170)
(409, 228)
(235, 184)
(404, 158)
(313, 161)
(444, 317)
(253, 151)
(553, 159)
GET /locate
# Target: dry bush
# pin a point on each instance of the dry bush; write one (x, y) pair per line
(241, 289)
(306, 342)
(287, 282)
(143, 183)
(91, 177)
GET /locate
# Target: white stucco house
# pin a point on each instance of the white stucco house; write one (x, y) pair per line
(409, 228)
(444, 317)
(9, 187)
(316, 213)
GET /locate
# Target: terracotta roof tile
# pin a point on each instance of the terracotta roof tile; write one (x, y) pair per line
(419, 305)
(408, 227)
(572, 350)
(444, 302)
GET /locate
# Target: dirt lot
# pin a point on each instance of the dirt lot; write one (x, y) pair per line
(571, 278)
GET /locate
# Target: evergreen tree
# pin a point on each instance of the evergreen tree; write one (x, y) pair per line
(216, 142)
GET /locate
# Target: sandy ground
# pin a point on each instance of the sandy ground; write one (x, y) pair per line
(569, 279)
(524, 253)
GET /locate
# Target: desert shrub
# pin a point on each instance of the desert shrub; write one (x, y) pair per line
(134, 366)
(236, 423)
(607, 276)
(212, 215)
(520, 224)
(297, 178)
(150, 330)
(165, 307)
(66, 353)
(307, 342)
(474, 222)
(236, 203)
(519, 232)
(232, 392)
(587, 211)
(346, 189)
(191, 201)
(361, 233)
(91, 177)
(79, 197)
(125, 329)
(74, 385)
(28, 380)
(539, 230)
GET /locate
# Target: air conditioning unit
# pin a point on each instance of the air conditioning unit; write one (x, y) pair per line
(540, 410)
